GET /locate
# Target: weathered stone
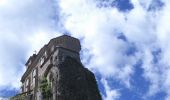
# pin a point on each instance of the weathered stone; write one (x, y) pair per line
(66, 78)
(76, 82)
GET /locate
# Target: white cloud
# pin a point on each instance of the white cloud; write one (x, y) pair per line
(27, 25)
(111, 94)
(1, 98)
(99, 28)
(148, 30)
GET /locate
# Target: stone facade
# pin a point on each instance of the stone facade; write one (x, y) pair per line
(59, 63)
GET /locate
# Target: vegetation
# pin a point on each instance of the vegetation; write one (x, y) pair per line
(45, 89)
(18, 97)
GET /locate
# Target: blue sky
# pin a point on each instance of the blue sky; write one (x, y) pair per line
(124, 42)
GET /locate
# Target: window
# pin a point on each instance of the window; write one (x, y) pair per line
(52, 48)
(27, 85)
(22, 88)
(45, 54)
(42, 60)
(27, 82)
(34, 77)
(29, 63)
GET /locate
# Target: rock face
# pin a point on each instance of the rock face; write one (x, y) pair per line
(75, 82)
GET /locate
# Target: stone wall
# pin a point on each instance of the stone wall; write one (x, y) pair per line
(75, 82)
(62, 67)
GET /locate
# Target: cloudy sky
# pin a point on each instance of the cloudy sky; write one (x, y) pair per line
(124, 42)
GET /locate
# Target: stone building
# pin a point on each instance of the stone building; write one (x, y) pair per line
(56, 73)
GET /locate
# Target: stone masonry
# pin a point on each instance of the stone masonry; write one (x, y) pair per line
(56, 73)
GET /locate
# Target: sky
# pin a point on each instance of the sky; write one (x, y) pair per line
(125, 43)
